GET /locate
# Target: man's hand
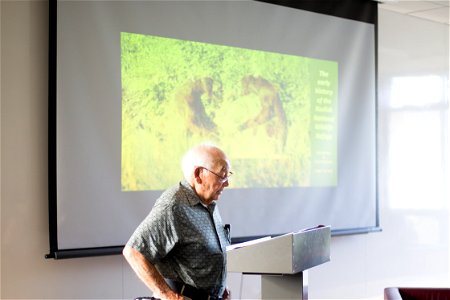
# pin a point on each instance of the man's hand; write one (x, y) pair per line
(226, 294)
(171, 296)
(149, 275)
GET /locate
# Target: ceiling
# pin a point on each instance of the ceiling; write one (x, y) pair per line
(436, 11)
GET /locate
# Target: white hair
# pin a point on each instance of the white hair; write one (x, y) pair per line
(197, 156)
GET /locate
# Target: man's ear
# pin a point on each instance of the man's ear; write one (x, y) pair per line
(197, 175)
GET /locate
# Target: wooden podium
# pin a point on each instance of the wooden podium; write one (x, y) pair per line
(282, 261)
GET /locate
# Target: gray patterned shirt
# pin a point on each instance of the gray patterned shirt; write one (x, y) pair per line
(185, 240)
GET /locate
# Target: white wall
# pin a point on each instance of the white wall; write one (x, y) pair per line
(412, 249)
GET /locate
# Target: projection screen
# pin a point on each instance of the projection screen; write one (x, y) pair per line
(288, 92)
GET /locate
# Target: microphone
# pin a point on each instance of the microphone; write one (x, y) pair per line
(227, 228)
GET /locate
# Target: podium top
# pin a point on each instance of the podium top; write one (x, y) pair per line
(286, 254)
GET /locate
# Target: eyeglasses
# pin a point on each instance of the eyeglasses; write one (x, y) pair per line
(222, 179)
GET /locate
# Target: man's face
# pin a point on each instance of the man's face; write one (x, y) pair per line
(214, 181)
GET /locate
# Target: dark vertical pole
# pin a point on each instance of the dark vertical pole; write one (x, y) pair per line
(52, 211)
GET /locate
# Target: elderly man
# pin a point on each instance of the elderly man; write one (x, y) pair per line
(179, 249)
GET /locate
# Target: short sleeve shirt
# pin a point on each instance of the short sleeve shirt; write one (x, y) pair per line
(185, 240)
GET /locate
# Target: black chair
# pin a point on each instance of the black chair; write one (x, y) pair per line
(416, 293)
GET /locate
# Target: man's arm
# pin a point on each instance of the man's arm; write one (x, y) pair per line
(148, 273)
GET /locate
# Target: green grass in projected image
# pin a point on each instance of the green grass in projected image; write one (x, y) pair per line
(275, 115)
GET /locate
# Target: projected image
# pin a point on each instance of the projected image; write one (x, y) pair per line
(275, 114)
